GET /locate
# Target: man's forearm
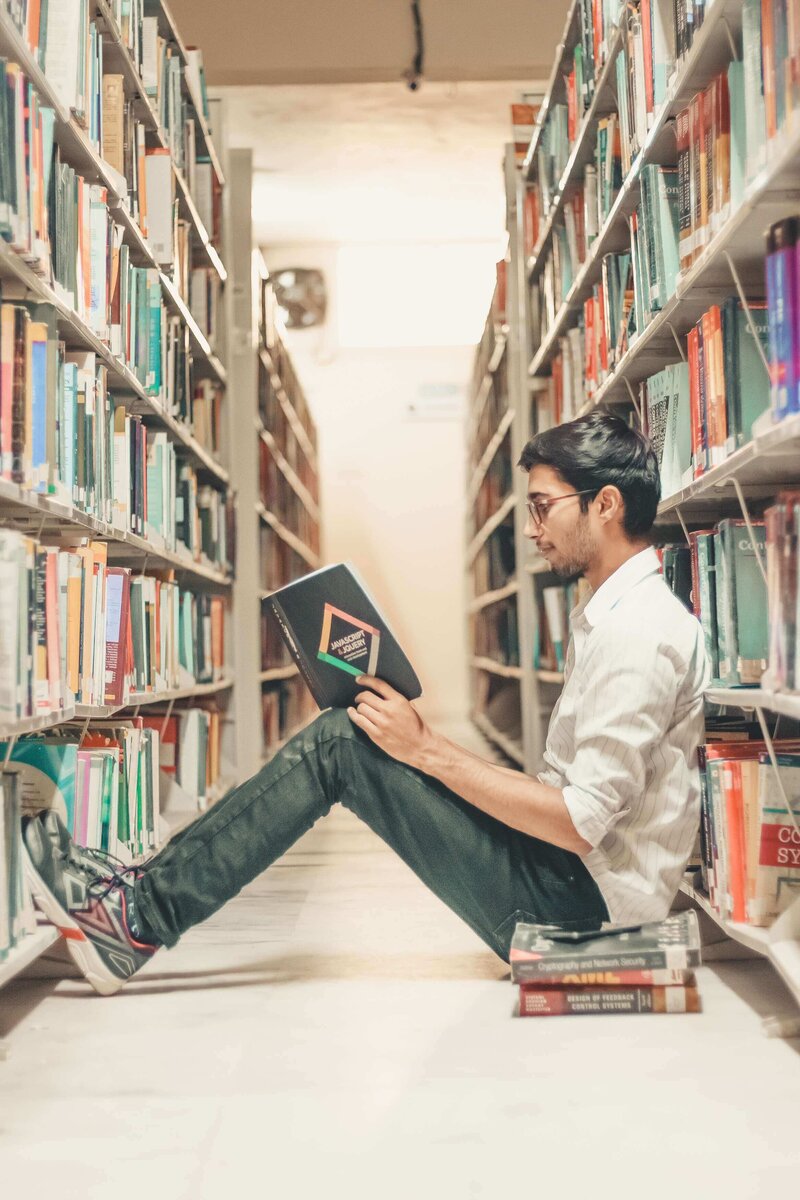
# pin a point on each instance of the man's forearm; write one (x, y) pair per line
(514, 798)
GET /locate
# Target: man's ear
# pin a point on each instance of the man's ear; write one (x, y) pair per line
(611, 506)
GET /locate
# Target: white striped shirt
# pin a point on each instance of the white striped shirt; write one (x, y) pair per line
(623, 737)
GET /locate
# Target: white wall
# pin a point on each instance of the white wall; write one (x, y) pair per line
(392, 485)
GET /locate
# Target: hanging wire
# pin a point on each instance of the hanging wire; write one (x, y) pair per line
(413, 75)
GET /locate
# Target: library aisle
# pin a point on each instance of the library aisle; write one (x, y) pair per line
(336, 1031)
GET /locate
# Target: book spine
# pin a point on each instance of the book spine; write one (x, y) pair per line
(642, 976)
(677, 957)
(535, 1002)
(297, 653)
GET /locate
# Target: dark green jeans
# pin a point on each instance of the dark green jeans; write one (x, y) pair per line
(490, 875)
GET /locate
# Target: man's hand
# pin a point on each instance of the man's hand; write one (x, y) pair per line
(390, 721)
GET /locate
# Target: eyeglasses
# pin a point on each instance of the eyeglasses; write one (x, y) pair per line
(540, 508)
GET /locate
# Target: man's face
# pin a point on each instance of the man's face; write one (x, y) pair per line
(565, 537)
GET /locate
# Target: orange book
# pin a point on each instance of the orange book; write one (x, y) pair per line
(53, 630)
(734, 813)
(768, 67)
(711, 408)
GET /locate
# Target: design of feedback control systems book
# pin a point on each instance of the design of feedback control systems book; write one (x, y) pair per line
(335, 633)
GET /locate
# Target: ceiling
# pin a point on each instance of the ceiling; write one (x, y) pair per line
(361, 41)
(374, 162)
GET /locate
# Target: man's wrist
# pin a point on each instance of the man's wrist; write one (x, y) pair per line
(434, 753)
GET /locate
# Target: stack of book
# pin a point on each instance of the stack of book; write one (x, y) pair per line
(17, 917)
(629, 969)
(750, 826)
(87, 632)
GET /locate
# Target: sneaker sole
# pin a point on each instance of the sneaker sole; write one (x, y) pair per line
(86, 958)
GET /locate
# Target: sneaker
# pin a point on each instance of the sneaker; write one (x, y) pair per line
(98, 860)
(90, 904)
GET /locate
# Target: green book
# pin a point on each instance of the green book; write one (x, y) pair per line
(749, 381)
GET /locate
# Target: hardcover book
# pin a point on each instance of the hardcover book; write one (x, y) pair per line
(545, 950)
(577, 1002)
(336, 633)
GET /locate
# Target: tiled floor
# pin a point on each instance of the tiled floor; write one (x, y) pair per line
(335, 1032)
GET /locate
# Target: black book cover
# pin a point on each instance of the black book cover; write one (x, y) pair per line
(673, 943)
(335, 633)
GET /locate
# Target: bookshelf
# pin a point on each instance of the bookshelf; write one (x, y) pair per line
(130, 468)
(564, 273)
(275, 448)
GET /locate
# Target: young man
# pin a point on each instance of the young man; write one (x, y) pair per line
(603, 833)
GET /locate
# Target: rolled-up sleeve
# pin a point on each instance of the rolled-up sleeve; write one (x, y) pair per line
(620, 718)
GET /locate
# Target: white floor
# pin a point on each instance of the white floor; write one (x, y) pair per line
(335, 1032)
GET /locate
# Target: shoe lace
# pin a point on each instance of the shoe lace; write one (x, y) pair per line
(117, 878)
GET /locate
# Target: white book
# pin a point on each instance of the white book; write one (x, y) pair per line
(11, 556)
(160, 184)
(65, 41)
(151, 52)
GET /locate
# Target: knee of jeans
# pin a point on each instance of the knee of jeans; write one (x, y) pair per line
(333, 721)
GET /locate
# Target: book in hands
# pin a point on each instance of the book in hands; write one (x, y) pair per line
(335, 633)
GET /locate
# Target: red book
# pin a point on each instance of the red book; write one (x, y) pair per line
(734, 813)
(118, 585)
(647, 47)
(698, 446)
(592, 1001)
(572, 106)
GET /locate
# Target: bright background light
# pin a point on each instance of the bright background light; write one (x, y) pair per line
(414, 295)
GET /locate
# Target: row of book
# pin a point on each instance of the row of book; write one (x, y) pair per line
(645, 970)
(285, 707)
(102, 782)
(496, 633)
(276, 419)
(281, 498)
(79, 630)
(749, 628)
(63, 434)
(279, 562)
(701, 411)
(554, 604)
(496, 562)
(17, 916)
(718, 577)
(750, 826)
(70, 49)
(495, 406)
(496, 484)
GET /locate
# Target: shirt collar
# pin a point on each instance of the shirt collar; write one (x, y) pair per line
(600, 603)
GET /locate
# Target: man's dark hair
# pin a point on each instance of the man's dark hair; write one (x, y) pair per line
(601, 449)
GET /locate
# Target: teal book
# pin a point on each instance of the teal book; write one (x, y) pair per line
(738, 144)
(706, 576)
(751, 394)
(47, 770)
(744, 601)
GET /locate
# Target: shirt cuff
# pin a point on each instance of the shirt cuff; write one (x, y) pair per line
(588, 817)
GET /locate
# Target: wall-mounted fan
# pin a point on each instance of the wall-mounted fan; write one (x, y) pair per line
(301, 295)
